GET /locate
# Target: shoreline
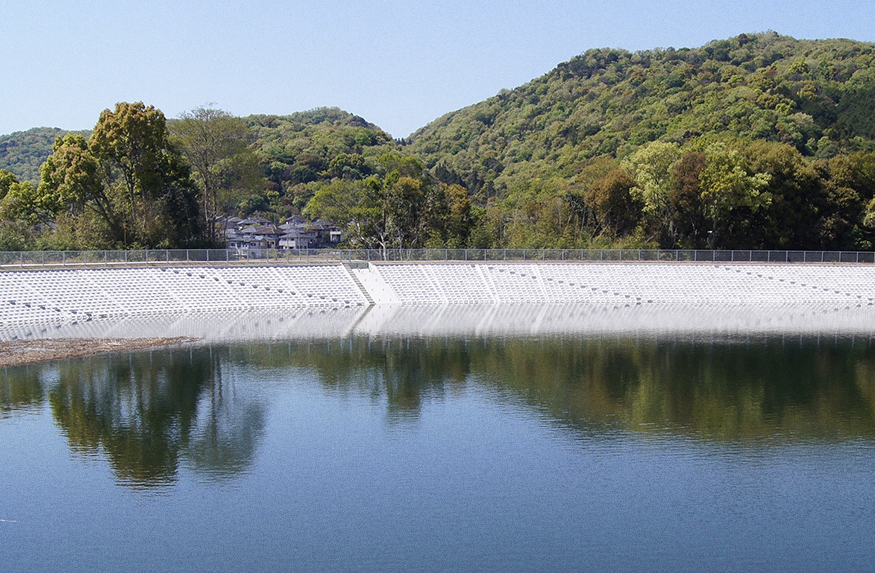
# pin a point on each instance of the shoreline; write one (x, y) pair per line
(22, 352)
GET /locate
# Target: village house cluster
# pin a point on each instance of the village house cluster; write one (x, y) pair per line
(254, 235)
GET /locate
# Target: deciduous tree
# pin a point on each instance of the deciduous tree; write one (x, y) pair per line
(216, 145)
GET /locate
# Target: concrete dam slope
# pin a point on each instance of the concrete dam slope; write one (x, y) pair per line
(29, 296)
(618, 283)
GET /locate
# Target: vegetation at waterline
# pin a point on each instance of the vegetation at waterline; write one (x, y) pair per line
(758, 141)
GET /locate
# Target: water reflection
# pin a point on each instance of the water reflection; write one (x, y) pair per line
(22, 391)
(772, 389)
(147, 413)
(151, 414)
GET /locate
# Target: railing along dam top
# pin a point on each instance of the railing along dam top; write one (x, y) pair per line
(30, 259)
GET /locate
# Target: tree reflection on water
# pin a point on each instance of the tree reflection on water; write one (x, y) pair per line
(772, 388)
(147, 412)
(151, 414)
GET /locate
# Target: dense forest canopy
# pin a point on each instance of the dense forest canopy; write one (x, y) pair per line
(816, 96)
(758, 141)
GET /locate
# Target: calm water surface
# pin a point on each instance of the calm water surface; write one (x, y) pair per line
(445, 454)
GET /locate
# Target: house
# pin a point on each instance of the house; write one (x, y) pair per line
(253, 240)
(253, 236)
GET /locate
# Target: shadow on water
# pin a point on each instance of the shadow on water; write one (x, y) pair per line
(151, 414)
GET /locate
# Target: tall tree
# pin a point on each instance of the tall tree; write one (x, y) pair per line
(216, 145)
(728, 183)
(615, 208)
(129, 176)
(652, 165)
(19, 212)
(385, 212)
(685, 198)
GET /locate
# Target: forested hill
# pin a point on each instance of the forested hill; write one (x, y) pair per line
(286, 143)
(23, 152)
(760, 141)
(816, 95)
(296, 152)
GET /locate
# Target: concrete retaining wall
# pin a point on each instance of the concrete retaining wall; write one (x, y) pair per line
(73, 295)
(618, 283)
(63, 295)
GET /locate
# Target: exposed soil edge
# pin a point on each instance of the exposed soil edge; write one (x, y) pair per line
(19, 352)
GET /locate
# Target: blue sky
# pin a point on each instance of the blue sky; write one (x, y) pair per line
(399, 64)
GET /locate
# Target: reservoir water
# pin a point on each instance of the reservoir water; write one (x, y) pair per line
(586, 451)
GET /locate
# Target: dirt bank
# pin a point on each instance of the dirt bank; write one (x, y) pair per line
(17, 352)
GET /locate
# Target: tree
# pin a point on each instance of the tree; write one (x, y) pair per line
(18, 212)
(652, 165)
(216, 145)
(727, 183)
(72, 188)
(615, 208)
(129, 177)
(797, 198)
(460, 219)
(385, 212)
(357, 207)
(847, 220)
(685, 198)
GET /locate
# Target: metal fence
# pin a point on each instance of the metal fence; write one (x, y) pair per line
(25, 259)
(608, 255)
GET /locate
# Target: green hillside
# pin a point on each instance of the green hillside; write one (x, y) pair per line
(22, 152)
(300, 151)
(759, 141)
(816, 95)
